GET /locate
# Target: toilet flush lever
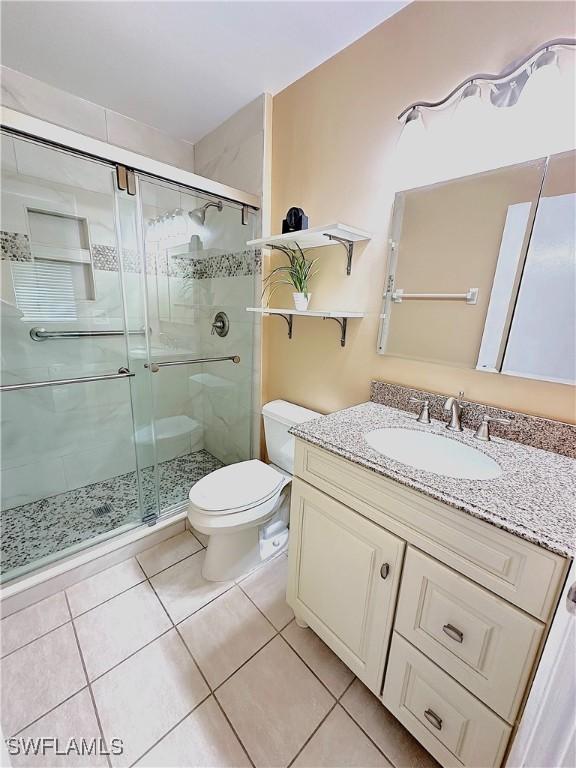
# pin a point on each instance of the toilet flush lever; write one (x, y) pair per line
(385, 570)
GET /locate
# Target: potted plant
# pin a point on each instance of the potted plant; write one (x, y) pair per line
(297, 274)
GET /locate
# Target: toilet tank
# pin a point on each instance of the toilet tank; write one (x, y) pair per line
(279, 417)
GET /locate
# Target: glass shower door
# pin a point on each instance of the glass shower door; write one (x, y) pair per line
(200, 278)
(72, 473)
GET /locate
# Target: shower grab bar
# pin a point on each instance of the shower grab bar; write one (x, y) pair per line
(41, 334)
(123, 373)
(155, 367)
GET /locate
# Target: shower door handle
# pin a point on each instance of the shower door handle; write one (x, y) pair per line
(155, 367)
(41, 334)
(123, 373)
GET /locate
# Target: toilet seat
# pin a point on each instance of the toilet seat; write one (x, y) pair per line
(245, 487)
(229, 523)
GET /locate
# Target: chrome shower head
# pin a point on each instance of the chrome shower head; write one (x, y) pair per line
(199, 214)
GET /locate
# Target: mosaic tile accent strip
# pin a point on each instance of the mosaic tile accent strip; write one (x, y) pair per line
(533, 497)
(15, 246)
(131, 261)
(34, 531)
(240, 264)
(105, 258)
(546, 434)
(208, 266)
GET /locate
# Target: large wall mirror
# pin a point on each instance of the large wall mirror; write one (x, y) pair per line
(482, 272)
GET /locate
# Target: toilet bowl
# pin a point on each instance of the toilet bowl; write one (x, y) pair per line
(244, 508)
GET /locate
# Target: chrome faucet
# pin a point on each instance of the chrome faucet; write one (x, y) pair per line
(453, 406)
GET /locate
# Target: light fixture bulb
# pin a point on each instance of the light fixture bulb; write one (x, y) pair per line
(547, 106)
(544, 82)
(468, 138)
(472, 90)
(548, 58)
(412, 155)
(413, 128)
(414, 114)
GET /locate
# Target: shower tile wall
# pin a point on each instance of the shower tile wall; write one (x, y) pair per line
(189, 293)
(237, 153)
(187, 290)
(34, 97)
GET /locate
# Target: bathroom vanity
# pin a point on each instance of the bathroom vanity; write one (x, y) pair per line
(436, 591)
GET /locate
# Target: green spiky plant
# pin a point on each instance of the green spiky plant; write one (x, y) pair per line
(297, 273)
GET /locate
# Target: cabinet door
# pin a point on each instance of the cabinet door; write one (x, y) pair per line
(343, 579)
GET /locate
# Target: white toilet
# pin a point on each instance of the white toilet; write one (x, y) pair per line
(244, 508)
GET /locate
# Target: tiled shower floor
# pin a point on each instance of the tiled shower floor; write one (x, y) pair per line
(33, 531)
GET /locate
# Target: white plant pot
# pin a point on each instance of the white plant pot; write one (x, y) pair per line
(301, 301)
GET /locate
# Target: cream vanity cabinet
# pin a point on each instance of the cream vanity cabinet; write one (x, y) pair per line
(440, 614)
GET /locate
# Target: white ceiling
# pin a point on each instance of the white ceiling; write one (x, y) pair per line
(182, 67)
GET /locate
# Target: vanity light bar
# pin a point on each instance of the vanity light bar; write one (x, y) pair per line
(523, 67)
(470, 297)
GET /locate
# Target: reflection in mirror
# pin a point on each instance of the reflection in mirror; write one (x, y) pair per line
(481, 272)
(541, 342)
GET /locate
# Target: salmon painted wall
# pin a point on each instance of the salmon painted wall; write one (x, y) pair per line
(334, 138)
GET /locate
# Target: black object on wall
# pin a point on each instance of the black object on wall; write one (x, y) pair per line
(295, 220)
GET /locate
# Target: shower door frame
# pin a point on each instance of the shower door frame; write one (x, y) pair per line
(26, 126)
(64, 138)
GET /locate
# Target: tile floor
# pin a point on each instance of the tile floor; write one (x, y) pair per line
(188, 673)
(40, 529)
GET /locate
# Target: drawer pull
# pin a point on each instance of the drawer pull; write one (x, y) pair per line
(385, 570)
(433, 718)
(453, 633)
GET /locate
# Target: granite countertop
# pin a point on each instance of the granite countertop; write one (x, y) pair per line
(535, 497)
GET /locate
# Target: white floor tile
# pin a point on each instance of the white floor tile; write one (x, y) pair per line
(266, 587)
(168, 552)
(183, 590)
(274, 703)
(142, 698)
(224, 634)
(334, 673)
(203, 740)
(75, 719)
(399, 746)
(28, 624)
(112, 631)
(95, 590)
(339, 743)
(38, 677)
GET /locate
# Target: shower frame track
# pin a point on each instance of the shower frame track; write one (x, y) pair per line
(26, 126)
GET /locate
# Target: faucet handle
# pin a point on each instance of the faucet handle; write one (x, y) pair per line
(424, 415)
(483, 431)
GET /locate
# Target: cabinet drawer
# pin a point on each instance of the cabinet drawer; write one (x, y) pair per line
(343, 579)
(480, 640)
(524, 574)
(453, 725)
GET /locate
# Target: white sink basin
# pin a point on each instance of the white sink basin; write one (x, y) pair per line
(433, 453)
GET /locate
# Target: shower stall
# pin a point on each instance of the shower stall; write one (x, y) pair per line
(126, 350)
